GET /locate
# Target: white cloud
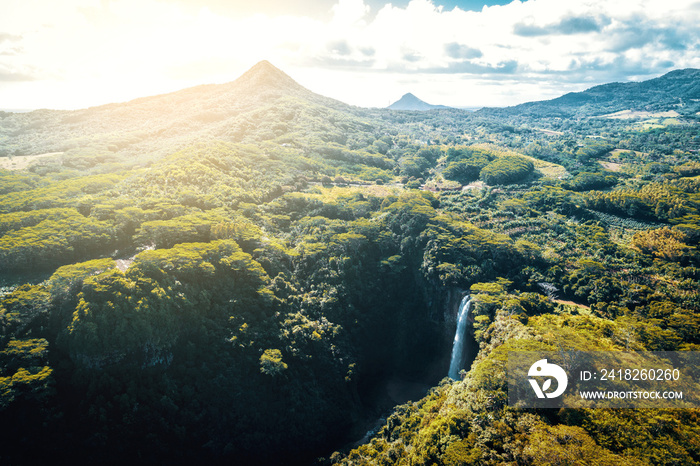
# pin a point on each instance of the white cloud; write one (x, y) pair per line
(349, 12)
(79, 52)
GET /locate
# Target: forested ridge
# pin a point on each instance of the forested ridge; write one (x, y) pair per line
(676, 91)
(239, 273)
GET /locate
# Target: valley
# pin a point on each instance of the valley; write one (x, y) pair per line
(251, 273)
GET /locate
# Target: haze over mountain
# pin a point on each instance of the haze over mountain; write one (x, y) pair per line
(227, 111)
(219, 110)
(411, 102)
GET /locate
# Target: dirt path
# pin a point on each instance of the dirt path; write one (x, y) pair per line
(20, 162)
(571, 303)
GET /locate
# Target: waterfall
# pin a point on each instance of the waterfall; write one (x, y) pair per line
(458, 344)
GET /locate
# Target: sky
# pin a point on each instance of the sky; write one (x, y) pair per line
(78, 53)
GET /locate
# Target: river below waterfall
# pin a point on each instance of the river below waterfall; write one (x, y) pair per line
(397, 389)
(392, 391)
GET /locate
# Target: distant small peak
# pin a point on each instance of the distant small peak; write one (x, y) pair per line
(411, 102)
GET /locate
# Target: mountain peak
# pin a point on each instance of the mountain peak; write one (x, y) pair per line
(264, 66)
(411, 102)
(265, 76)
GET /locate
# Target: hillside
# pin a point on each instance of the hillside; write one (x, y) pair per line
(678, 90)
(250, 273)
(222, 111)
(411, 102)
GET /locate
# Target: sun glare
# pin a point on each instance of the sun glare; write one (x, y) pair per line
(90, 52)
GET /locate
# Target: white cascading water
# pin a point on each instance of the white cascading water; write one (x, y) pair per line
(458, 344)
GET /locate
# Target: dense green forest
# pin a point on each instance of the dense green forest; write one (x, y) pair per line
(249, 277)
